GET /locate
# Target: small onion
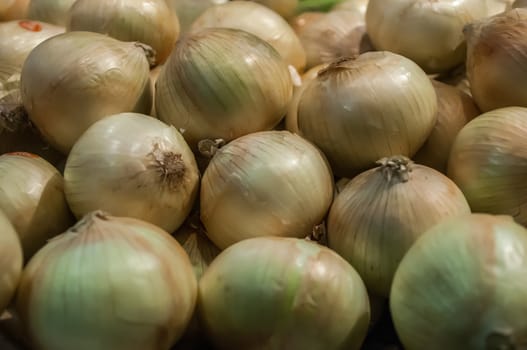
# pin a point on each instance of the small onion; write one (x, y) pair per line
(150, 22)
(18, 38)
(50, 11)
(285, 8)
(132, 165)
(488, 161)
(461, 286)
(108, 283)
(74, 79)
(455, 109)
(11, 260)
(352, 5)
(359, 110)
(283, 293)
(258, 20)
(32, 197)
(222, 83)
(13, 9)
(496, 60)
(270, 183)
(380, 213)
(427, 32)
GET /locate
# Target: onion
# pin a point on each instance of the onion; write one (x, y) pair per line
(50, 11)
(455, 109)
(283, 293)
(74, 79)
(231, 82)
(11, 260)
(461, 286)
(304, 20)
(18, 38)
(151, 176)
(380, 213)
(32, 197)
(427, 32)
(150, 22)
(496, 59)
(271, 183)
(359, 110)
(352, 5)
(13, 9)
(119, 283)
(188, 10)
(488, 161)
(285, 8)
(258, 20)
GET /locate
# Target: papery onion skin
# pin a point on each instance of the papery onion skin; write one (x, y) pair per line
(222, 83)
(355, 127)
(497, 47)
(461, 286)
(11, 260)
(50, 11)
(488, 160)
(379, 214)
(13, 9)
(32, 197)
(258, 20)
(150, 22)
(151, 176)
(76, 78)
(283, 293)
(119, 283)
(427, 32)
(271, 183)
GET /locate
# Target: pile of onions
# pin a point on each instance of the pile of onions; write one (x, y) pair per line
(149, 22)
(11, 260)
(74, 79)
(461, 286)
(32, 197)
(50, 11)
(119, 283)
(18, 38)
(379, 214)
(283, 293)
(285, 8)
(13, 9)
(151, 176)
(271, 183)
(359, 110)
(455, 109)
(222, 83)
(427, 32)
(496, 60)
(258, 20)
(488, 161)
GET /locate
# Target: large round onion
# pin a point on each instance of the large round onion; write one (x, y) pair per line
(119, 283)
(271, 183)
(379, 214)
(488, 162)
(427, 32)
(461, 286)
(283, 293)
(132, 165)
(11, 259)
(363, 109)
(50, 11)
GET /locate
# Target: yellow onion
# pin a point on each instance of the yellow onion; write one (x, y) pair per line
(258, 20)
(132, 165)
(496, 60)
(18, 38)
(13, 9)
(334, 35)
(352, 5)
(32, 197)
(519, 3)
(359, 110)
(285, 8)
(455, 109)
(150, 22)
(50, 11)
(270, 183)
(222, 83)
(379, 214)
(76, 78)
(11, 260)
(488, 161)
(461, 287)
(499, 6)
(108, 283)
(283, 293)
(427, 32)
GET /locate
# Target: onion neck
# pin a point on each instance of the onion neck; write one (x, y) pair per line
(337, 65)
(169, 166)
(150, 53)
(396, 168)
(14, 118)
(208, 148)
